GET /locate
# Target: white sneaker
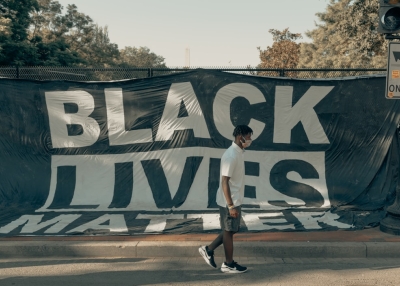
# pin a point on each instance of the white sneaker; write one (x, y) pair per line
(208, 258)
(233, 268)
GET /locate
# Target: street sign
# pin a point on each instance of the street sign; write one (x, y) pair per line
(393, 71)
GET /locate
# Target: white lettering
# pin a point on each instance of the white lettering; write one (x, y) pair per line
(311, 220)
(287, 116)
(222, 108)
(158, 222)
(116, 121)
(178, 93)
(33, 223)
(59, 120)
(95, 179)
(265, 193)
(116, 224)
(266, 221)
(210, 221)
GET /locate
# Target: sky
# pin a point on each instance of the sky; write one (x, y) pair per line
(216, 32)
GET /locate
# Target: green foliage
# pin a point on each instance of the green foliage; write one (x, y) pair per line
(346, 36)
(40, 33)
(74, 33)
(20, 46)
(14, 45)
(284, 52)
(140, 57)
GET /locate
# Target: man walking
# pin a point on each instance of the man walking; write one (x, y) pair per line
(230, 196)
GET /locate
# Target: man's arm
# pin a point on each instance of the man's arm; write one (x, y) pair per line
(227, 193)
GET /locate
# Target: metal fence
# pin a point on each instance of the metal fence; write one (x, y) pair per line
(116, 73)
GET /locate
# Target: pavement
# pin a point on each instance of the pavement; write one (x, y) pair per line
(367, 243)
(194, 271)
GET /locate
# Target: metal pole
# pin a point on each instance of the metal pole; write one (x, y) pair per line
(17, 70)
(391, 223)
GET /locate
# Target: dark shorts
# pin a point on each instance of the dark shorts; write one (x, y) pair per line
(227, 222)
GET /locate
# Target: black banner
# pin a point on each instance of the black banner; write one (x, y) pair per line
(143, 155)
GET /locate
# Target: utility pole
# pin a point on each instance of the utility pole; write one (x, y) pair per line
(389, 24)
(187, 58)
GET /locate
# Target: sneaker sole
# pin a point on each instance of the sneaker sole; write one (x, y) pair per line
(227, 270)
(205, 258)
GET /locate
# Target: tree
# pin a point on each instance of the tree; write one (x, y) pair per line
(5, 22)
(346, 37)
(36, 32)
(100, 50)
(14, 46)
(39, 32)
(74, 30)
(90, 41)
(139, 57)
(132, 57)
(19, 45)
(284, 52)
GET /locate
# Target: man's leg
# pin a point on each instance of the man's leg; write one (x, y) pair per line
(230, 266)
(232, 225)
(225, 237)
(207, 252)
(228, 246)
(217, 242)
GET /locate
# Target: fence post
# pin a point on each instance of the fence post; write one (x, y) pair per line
(282, 72)
(149, 72)
(17, 70)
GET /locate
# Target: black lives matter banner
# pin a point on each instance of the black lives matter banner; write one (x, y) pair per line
(143, 156)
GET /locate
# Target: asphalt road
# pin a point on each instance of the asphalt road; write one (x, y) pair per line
(193, 271)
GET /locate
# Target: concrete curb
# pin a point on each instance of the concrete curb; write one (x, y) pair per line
(135, 249)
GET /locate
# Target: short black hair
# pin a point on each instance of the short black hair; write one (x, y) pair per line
(242, 130)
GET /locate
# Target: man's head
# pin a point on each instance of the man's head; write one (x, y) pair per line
(242, 134)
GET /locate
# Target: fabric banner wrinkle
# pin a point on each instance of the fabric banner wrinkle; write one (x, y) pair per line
(143, 156)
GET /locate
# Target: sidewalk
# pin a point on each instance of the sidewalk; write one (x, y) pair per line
(368, 243)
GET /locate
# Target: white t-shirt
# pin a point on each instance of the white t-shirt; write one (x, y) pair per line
(232, 165)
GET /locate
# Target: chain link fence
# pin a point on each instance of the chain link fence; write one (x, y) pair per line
(115, 73)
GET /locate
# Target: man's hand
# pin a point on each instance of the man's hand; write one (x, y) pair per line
(233, 213)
